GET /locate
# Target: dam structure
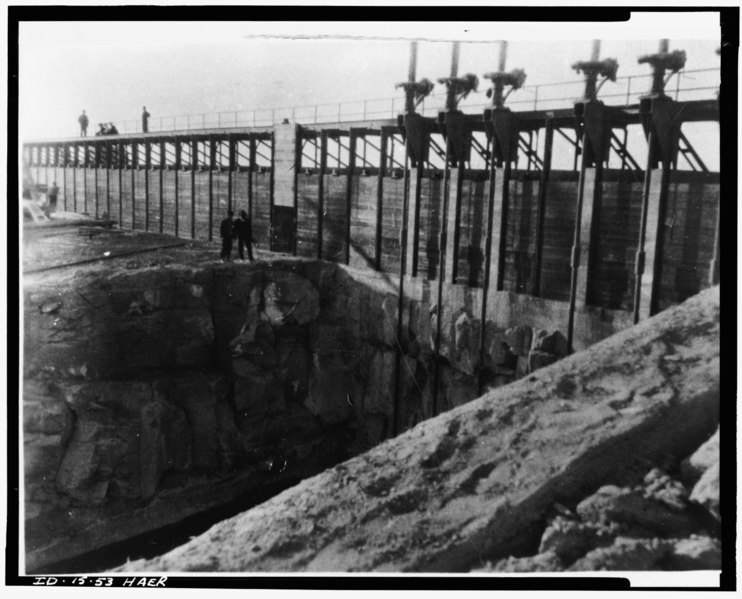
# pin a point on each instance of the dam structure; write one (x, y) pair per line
(409, 261)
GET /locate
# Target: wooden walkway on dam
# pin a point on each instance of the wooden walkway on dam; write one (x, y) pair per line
(377, 194)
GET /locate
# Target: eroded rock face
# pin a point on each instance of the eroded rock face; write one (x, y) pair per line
(148, 375)
(477, 482)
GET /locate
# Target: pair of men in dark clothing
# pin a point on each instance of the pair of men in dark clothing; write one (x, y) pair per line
(242, 230)
(109, 129)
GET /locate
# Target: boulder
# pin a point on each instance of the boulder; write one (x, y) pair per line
(625, 554)
(695, 553)
(385, 330)
(198, 397)
(551, 342)
(42, 454)
(570, 539)
(379, 388)
(465, 343)
(539, 359)
(330, 387)
(632, 509)
(519, 339)
(665, 489)
(257, 391)
(289, 298)
(44, 411)
(165, 443)
(542, 562)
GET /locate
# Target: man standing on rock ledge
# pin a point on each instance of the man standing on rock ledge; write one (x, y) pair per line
(226, 231)
(243, 228)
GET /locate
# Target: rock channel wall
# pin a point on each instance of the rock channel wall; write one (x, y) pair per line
(143, 381)
(583, 465)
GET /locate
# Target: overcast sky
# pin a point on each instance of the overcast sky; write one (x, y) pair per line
(111, 69)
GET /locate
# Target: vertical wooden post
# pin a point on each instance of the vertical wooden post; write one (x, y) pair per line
(73, 160)
(251, 177)
(576, 245)
(383, 140)
(659, 180)
(176, 144)
(230, 162)
(588, 227)
(194, 166)
(352, 137)
(500, 192)
(321, 191)
(65, 161)
(211, 184)
(413, 241)
(456, 180)
(96, 154)
(147, 164)
(134, 166)
(121, 163)
(162, 167)
(541, 210)
(85, 177)
(272, 185)
(490, 162)
(109, 163)
(714, 264)
(297, 166)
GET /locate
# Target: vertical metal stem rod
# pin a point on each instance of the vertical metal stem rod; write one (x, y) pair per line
(411, 75)
(451, 95)
(591, 77)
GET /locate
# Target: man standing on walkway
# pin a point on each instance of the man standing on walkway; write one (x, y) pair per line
(52, 195)
(243, 228)
(83, 120)
(226, 232)
(145, 119)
